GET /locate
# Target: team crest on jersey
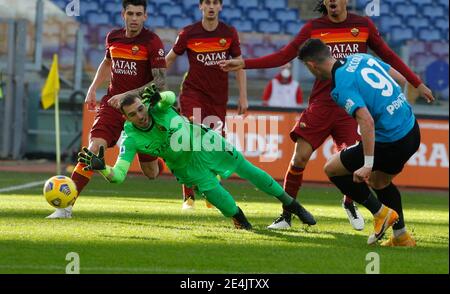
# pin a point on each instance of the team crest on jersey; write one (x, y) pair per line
(303, 125)
(222, 42)
(135, 49)
(162, 128)
(355, 32)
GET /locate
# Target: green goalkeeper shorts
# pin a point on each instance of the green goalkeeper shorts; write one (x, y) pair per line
(204, 167)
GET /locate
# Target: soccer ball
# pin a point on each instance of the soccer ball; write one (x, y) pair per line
(60, 191)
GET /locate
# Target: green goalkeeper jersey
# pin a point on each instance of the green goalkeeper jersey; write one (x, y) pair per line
(169, 136)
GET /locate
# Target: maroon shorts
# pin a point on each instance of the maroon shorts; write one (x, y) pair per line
(318, 122)
(108, 125)
(210, 115)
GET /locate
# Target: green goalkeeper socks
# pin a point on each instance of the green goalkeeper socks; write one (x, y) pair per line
(263, 181)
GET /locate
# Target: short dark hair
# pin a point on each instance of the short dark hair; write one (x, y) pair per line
(127, 101)
(125, 3)
(201, 1)
(314, 50)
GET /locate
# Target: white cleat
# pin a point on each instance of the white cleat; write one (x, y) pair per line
(61, 213)
(188, 205)
(354, 216)
(281, 223)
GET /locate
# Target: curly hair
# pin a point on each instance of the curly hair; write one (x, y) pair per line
(321, 8)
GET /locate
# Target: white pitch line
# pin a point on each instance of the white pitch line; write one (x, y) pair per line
(21, 187)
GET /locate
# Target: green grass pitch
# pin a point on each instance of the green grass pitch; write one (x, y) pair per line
(138, 227)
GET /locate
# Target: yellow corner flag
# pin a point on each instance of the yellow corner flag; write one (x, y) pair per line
(51, 88)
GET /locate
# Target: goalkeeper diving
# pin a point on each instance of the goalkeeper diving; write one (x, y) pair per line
(194, 154)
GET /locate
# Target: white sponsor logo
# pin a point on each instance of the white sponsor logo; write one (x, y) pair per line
(211, 59)
(123, 67)
(397, 104)
(349, 105)
(343, 50)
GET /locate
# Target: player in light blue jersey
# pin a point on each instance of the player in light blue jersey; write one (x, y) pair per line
(371, 92)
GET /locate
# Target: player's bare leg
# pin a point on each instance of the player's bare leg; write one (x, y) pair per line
(294, 180)
(81, 179)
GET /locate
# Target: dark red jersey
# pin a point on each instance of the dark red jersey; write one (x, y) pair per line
(133, 59)
(354, 35)
(205, 80)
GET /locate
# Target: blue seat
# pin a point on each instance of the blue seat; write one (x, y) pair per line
(361, 4)
(259, 14)
(170, 10)
(271, 4)
(293, 27)
(443, 3)
(247, 4)
(230, 13)
(156, 21)
(96, 18)
(418, 23)
(89, 6)
(188, 4)
(439, 48)
(427, 34)
(196, 14)
(400, 35)
(387, 22)
(405, 10)
(152, 8)
(242, 25)
(179, 22)
(433, 11)
(441, 24)
(436, 75)
(112, 8)
(422, 2)
(284, 15)
(263, 50)
(269, 27)
(385, 9)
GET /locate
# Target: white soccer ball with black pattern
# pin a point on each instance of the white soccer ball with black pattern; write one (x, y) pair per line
(60, 191)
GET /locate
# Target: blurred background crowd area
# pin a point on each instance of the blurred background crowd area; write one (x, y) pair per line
(416, 29)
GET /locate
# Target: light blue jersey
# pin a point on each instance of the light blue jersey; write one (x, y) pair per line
(362, 80)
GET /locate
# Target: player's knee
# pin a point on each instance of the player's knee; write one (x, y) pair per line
(300, 159)
(379, 183)
(151, 174)
(329, 169)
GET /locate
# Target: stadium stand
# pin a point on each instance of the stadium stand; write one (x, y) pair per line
(402, 22)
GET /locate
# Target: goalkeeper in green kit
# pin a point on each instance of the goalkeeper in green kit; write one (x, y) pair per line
(194, 154)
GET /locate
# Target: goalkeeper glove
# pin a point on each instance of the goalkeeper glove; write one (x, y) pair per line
(151, 95)
(92, 161)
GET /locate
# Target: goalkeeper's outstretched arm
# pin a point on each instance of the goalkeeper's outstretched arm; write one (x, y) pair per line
(96, 162)
(116, 174)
